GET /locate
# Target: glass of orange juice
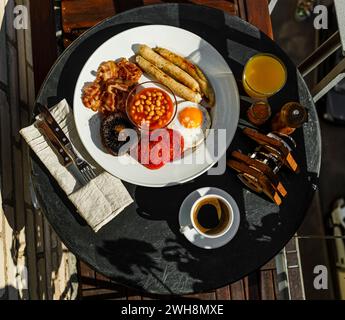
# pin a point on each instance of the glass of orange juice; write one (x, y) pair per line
(263, 76)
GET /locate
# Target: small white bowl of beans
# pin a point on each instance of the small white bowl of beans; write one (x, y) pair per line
(151, 105)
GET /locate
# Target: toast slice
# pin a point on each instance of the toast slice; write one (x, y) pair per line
(276, 146)
(257, 178)
(262, 167)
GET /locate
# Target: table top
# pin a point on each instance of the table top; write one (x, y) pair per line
(142, 247)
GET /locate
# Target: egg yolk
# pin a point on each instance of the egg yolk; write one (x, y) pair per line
(190, 117)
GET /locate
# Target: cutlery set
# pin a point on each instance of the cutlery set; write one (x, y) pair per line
(80, 169)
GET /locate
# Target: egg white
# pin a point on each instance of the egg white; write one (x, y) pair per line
(192, 136)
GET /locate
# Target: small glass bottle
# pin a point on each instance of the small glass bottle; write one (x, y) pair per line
(291, 116)
(259, 112)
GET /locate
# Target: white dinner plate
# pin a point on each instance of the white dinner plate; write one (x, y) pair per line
(225, 114)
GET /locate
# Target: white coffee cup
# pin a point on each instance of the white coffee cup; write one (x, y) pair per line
(226, 210)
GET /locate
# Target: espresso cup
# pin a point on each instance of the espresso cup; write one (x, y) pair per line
(211, 216)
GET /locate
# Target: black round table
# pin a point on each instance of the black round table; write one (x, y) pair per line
(142, 247)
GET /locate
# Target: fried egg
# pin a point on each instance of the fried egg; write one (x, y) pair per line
(192, 121)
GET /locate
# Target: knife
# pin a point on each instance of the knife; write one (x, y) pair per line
(45, 130)
(66, 160)
(60, 135)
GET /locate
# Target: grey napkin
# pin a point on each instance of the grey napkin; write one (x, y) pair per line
(103, 198)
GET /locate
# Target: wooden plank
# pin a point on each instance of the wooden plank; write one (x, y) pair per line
(18, 235)
(3, 290)
(10, 266)
(258, 15)
(79, 15)
(64, 288)
(118, 292)
(241, 8)
(101, 279)
(22, 89)
(42, 280)
(63, 281)
(223, 293)
(99, 293)
(15, 122)
(3, 58)
(133, 294)
(42, 31)
(252, 285)
(58, 290)
(27, 235)
(31, 255)
(29, 62)
(39, 232)
(17, 158)
(48, 258)
(27, 90)
(269, 265)
(83, 14)
(31, 91)
(28, 43)
(73, 281)
(85, 272)
(275, 281)
(54, 240)
(267, 285)
(292, 259)
(26, 87)
(7, 190)
(291, 246)
(7, 187)
(237, 290)
(149, 297)
(203, 296)
(295, 282)
(10, 31)
(59, 270)
(228, 6)
(94, 284)
(41, 266)
(122, 292)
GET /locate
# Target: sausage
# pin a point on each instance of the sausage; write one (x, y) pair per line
(168, 67)
(178, 88)
(192, 70)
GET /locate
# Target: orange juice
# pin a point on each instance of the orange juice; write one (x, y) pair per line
(263, 76)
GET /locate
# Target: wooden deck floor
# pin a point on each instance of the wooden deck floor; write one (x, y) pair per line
(34, 264)
(260, 285)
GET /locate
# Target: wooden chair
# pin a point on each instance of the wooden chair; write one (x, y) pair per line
(79, 15)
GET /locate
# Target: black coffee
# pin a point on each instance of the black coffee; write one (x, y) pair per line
(208, 216)
(211, 216)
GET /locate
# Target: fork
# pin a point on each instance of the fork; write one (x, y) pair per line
(84, 168)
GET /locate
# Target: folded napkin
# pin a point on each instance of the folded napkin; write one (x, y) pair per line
(104, 197)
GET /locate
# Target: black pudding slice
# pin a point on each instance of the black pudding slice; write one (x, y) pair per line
(111, 128)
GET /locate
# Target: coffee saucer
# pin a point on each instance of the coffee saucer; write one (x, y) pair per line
(196, 238)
